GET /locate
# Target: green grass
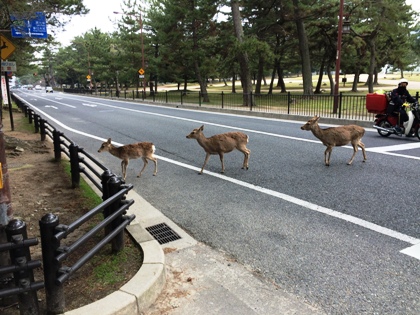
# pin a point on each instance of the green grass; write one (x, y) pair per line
(108, 267)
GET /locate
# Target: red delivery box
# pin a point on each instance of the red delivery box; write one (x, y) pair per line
(376, 103)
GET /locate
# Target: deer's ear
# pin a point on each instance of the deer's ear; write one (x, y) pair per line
(202, 128)
(109, 140)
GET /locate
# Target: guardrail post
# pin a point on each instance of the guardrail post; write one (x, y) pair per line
(114, 186)
(57, 145)
(104, 179)
(54, 292)
(36, 122)
(74, 165)
(30, 112)
(42, 129)
(28, 301)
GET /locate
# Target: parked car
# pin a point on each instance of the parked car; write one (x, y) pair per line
(38, 87)
(30, 87)
(49, 89)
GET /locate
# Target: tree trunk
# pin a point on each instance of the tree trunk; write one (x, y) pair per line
(260, 75)
(304, 51)
(355, 81)
(242, 56)
(321, 73)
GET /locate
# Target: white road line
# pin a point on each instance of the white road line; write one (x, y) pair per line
(397, 147)
(297, 201)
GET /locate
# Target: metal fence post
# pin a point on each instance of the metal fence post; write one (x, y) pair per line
(28, 301)
(104, 179)
(42, 129)
(57, 145)
(36, 122)
(30, 112)
(223, 99)
(74, 165)
(340, 104)
(54, 292)
(114, 186)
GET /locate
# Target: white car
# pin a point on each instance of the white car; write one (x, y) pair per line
(49, 89)
(38, 87)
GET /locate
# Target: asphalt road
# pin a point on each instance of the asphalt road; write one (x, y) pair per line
(332, 236)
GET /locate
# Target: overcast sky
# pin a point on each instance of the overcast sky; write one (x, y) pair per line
(101, 16)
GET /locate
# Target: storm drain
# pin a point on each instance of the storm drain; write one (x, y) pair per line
(163, 233)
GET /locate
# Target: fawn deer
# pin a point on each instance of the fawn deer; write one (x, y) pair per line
(144, 150)
(221, 144)
(337, 136)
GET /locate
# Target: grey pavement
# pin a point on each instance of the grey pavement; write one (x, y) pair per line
(187, 277)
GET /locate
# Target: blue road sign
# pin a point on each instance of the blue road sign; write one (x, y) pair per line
(35, 27)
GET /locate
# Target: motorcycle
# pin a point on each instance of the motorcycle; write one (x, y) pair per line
(385, 122)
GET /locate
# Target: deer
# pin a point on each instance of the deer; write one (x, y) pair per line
(144, 150)
(221, 144)
(337, 136)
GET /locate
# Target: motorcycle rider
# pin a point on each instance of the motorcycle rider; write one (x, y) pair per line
(399, 96)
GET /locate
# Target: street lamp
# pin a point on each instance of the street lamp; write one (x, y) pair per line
(338, 56)
(142, 70)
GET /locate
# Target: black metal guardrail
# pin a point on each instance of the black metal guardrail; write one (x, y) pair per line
(54, 253)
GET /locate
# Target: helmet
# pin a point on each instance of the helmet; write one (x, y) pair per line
(403, 81)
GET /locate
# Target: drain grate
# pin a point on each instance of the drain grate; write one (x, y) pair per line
(163, 233)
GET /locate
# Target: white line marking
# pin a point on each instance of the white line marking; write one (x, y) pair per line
(89, 105)
(413, 251)
(297, 201)
(51, 106)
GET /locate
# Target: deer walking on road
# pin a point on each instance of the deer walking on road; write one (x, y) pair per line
(221, 144)
(144, 150)
(337, 136)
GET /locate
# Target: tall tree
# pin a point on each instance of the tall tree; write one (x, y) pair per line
(242, 54)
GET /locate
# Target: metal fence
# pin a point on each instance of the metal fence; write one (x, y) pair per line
(342, 106)
(54, 254)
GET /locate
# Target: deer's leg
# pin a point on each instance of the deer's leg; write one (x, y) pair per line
(362, 146)
(222, 161)
(327, 155)
(246, 153)
(144, 165)
(124, 164)
(205, 162)
(154, 161)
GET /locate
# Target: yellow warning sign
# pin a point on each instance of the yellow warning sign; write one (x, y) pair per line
(7, 47)
(141, 71)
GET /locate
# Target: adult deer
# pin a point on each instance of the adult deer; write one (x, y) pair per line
(337, 136)
(221, 144)
(144, 150)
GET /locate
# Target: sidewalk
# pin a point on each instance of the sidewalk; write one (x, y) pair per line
(187, 277)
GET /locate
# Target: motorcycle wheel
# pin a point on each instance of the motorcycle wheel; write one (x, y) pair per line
(418, 133)
(385, 124)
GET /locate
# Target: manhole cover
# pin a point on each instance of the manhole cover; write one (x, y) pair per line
(163, 233)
